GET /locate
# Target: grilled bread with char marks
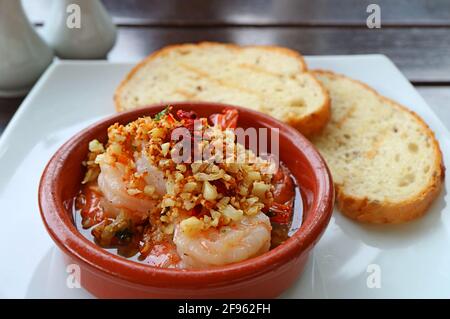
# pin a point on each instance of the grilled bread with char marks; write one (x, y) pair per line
(272, 80)
(386, 163)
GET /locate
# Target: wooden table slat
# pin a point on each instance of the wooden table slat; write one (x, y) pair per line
(264, 12)
(8, 107)
(422, 54)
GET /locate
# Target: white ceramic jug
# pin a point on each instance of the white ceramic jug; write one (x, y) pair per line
(79, 29)
(23, 54)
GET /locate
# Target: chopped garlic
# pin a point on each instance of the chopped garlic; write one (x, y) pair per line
(133, 191)
(209, 177)
(91, 175)
(191, 225)
(178, 177)
(157, 132)
(115, 148)
(232, 168)
(189, 187)
(165, 148)
(168, 202)
(243, 190)
(117, 137)
(232, 213)
(260, 189)
(100, 158)
(172, 188)
(196, 166)
(255, 209)
(168, 230)
(207, 221)
(215, 215)
(252, 200)
(188, 205)
(209, 191)
(253, 176)
(149, 190)
(164, 162)
(96, 147)
(186, 196)
(223, 202)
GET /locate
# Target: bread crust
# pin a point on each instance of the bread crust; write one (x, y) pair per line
(309, 125)
(315, 122)
(205, 44)
(367, 210)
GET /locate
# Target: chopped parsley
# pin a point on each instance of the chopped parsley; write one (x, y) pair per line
(161, 114)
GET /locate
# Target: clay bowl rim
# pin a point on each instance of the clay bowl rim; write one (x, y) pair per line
(65, 234)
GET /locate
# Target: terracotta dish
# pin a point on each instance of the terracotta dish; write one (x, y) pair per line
(108, 275)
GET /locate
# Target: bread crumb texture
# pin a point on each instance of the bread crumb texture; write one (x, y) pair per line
(385, 161)
(272, 80)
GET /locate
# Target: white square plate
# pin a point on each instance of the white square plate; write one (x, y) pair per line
(351, 260)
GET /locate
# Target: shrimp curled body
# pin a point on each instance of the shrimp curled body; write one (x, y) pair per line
(250, 237)
(111, 183)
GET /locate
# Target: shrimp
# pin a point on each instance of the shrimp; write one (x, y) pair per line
(116, 198)
(153, 175)
(250, 237)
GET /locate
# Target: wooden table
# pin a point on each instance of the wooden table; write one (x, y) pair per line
(415, 34)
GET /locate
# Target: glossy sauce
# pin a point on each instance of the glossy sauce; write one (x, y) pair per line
(88, 214)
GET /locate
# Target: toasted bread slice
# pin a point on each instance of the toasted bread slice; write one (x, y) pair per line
(385, 161)
(272, 80)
